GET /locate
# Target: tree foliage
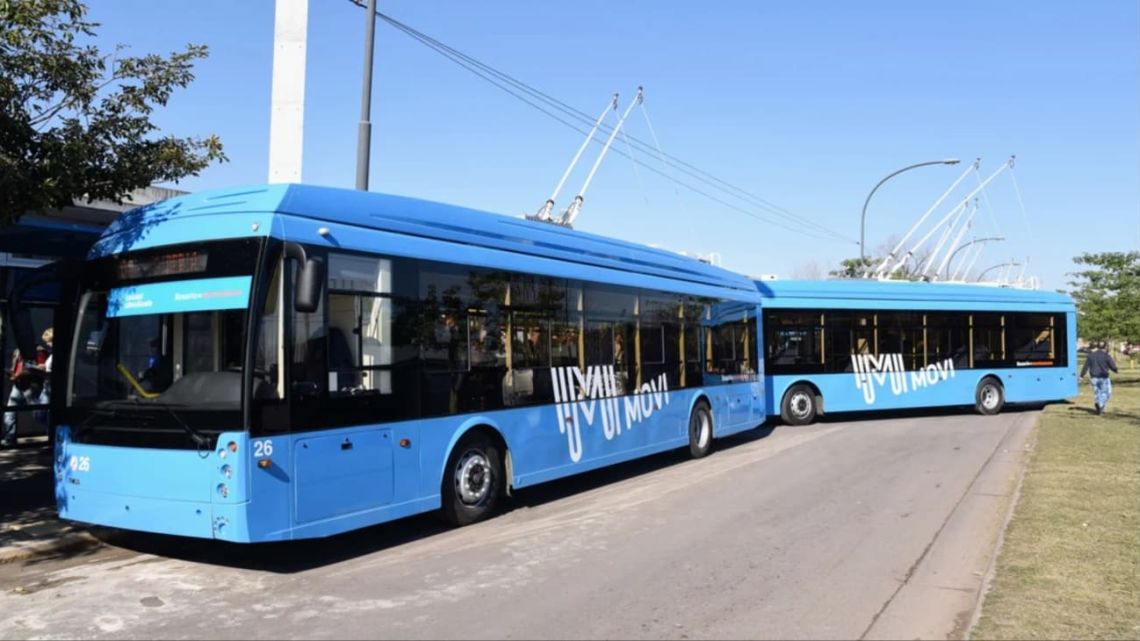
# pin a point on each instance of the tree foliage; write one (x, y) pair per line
(860, 268)
(75, 122)
(1107, 293)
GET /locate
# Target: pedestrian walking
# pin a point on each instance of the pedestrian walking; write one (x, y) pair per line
(1097, 365)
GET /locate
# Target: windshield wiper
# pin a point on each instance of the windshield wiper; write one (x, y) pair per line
(201, 440)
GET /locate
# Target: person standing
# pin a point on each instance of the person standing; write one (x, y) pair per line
(1097, 366)
(31, 385)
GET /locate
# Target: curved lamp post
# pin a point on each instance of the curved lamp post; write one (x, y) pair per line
(990, 269)
(965, 245)
(863, 220)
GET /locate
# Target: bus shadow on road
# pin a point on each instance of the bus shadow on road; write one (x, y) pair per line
(299, 556)
(964, 411)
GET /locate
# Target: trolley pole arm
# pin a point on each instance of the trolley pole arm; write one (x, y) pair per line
(886, 262)
(544, 211)
(957, 239)
(947, 217)
(576, 206)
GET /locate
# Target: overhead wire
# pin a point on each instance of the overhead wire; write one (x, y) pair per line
(1021, 203)
(533, 96)
(661, 154)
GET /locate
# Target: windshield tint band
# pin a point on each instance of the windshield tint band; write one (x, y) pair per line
(203, 294)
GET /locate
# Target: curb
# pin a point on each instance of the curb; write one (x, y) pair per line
(1015, 498)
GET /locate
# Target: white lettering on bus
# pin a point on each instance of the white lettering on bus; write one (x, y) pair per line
(876, 371)
(580, 397)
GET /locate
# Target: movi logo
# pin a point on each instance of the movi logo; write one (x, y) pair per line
(582, 396)
(873, 370)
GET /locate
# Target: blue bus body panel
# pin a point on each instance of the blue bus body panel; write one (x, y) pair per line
(930, 387)
(924, 389)
(322, 483)
(156, 490)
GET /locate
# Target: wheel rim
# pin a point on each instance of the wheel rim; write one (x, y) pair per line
(800, 404)
(473, 477)
(989, 397)
(704, 429)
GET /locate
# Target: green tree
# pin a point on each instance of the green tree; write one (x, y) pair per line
(75, 122)
(856, 268)
(1107, 293)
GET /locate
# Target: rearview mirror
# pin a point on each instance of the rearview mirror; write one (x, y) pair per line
(310, 279)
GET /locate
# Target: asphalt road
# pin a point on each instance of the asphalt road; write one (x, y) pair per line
(873, 528)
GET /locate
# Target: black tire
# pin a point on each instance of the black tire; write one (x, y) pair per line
(472, 480)
(799, 405)
(989, 398)
(700, 430)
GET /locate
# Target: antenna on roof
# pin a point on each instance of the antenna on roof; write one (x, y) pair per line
(575, 207)
(543, 212)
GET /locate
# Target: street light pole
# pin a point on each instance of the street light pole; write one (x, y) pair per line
(863, 219)
(364, 131)
(965, 245)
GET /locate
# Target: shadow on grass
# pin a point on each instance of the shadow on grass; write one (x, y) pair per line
(1085, 411)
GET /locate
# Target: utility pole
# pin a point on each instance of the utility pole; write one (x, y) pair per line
(364, 131)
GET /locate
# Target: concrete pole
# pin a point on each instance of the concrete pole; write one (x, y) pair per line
(287, 107)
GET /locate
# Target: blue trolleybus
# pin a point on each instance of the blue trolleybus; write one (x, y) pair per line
(844, 346)
(283, 362)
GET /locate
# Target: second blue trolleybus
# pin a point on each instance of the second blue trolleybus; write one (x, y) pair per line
(844, 346)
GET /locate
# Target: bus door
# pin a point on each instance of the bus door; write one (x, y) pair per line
(340, 387)
(731, 365)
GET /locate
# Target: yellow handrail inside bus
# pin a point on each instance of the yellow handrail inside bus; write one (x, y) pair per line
(134, 382)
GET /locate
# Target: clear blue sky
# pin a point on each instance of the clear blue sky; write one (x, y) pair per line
(807, 104)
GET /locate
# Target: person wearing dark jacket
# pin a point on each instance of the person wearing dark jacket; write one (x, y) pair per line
(1097, 366)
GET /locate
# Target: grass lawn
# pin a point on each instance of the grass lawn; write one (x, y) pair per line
(1070, 564)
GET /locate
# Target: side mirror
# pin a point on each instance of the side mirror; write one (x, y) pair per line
(310, 279)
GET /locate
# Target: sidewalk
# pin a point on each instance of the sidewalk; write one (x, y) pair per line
(29, 526)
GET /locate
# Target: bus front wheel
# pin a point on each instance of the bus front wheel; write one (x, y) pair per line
(989, 397)
(473, 480)
(799, 405)
(700, 430)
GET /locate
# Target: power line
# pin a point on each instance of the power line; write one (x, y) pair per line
(532, 97)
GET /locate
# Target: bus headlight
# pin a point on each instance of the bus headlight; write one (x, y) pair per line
(227, 471)
(223, 491)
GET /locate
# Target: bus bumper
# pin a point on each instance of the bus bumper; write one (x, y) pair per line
(148, 490)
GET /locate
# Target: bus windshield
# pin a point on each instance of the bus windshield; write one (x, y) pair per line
(159, 343)
(178, 343)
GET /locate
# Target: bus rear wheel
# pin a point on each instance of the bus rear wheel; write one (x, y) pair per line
(700, 430)
(799, 405)
(989, 397)
(473, 480)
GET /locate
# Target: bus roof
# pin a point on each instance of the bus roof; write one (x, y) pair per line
(865, 293)
(410, 216)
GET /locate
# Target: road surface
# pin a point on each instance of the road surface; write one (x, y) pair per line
(871, 528)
